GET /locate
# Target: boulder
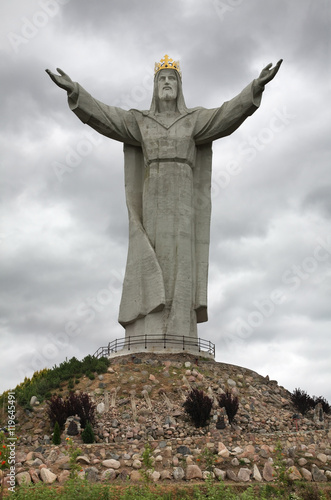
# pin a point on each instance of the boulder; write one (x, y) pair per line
(111, 463)
(178, 473)
(223, 451)
(34, 474)
(184, 450)
(268, 472)
(83, 459)
(193, 472)
(244, 475)
(306, 474)
(23, 478)
(108, 475)
(317, 474)
(165, 474)
(91, 474)
(220, 474)
(155, 476)
(47, 476)
(135, 476)
(293, 473)
(322, 458)
(63, 476)
(256, 473)
(231, 475)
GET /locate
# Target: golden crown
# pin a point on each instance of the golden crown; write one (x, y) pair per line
(167, 63)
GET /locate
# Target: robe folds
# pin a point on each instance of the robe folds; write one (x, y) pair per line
(167, 184)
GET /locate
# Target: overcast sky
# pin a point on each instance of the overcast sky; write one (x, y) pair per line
(63, 214)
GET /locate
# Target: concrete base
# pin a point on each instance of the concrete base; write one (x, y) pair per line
(157, 350)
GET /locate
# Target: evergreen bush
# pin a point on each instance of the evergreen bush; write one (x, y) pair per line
(57, 434)
(88, 434)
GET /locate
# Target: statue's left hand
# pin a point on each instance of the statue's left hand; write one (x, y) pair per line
(268, 73)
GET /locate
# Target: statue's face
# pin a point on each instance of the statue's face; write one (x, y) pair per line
(167, 85)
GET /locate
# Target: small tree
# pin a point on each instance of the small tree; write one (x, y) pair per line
(230, 403)
(56, 434)
(198, 406)
(301, 401)
(88, 434)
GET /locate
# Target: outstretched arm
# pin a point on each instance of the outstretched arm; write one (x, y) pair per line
(110, 121)
(268, 73)
(62, 80)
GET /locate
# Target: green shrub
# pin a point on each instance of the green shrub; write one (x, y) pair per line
(88, 434)
(57, 434)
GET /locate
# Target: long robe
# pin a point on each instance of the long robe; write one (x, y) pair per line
(167, 183)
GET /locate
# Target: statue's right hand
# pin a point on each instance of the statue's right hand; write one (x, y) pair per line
(62, 80)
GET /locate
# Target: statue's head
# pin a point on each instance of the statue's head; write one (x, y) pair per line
(167, 84)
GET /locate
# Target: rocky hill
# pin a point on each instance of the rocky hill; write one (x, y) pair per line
(140, 400)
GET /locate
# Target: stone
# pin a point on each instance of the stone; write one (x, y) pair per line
(123, 475)
(268, 472)
(72, 429)
(244, 475)
(83, 459)
(155, 476)
(111, 463)
(302, 461)
(306, 474)
(23, 478)
(231, 383)
(220, 474)
(108, 475)
(193, 472)
(231, 475)
(101, 408)
(237, 451)
(322, 457)
(91, 474)
(47, 476)
(235, 462)
(317, 474)
(63, 476)
(136, 464)
(223, 451)
(178, 473)
(184, 450)
(165, 474)
(135, 476)
(22, 457)
(256, 474)
(33, 400)
(293, 473)
(206, 474)
(34, 474)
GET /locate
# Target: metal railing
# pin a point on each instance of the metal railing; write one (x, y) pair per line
(164, 341)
